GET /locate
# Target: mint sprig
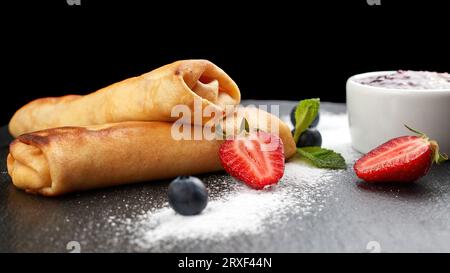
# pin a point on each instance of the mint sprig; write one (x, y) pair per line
(323, 158)
(305, 114)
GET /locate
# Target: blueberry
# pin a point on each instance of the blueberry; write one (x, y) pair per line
(293, 115)
(315, 122)
(312, 125)
(310, 137)
(187, 195)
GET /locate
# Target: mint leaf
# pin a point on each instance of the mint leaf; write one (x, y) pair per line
(305, 114)
(323, 158)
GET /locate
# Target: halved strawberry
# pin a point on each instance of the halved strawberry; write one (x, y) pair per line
(402, 159)
(257, 159)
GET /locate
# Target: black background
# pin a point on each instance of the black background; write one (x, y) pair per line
(272, 49)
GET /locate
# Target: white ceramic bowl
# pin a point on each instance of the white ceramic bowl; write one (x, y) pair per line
(377, 114)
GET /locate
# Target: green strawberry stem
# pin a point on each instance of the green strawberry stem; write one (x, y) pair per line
(437, 157)
(415, 131)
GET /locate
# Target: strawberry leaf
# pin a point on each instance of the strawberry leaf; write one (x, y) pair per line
(415, 131)
(438, 157)
(220, 133)
(246, 125)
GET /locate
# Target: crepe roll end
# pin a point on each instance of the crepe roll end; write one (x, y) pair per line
(25, 119)
(202, 75)
(29, 168)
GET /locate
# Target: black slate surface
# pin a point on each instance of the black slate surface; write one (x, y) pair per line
(352, 214)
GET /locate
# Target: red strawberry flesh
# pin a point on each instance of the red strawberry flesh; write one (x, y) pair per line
(256, 159)
(402, 159)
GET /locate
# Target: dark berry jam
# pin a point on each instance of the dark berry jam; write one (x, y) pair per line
(409, 80)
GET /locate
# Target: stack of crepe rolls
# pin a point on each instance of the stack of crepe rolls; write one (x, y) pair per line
(124, 133)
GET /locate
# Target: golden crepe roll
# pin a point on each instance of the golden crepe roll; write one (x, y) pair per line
(149, 97)
(61, 160)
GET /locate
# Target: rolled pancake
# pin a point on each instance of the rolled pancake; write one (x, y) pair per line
(61, 160)
(149, 97)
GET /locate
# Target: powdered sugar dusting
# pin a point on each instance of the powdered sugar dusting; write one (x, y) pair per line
(336, 135)
(302, 192)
